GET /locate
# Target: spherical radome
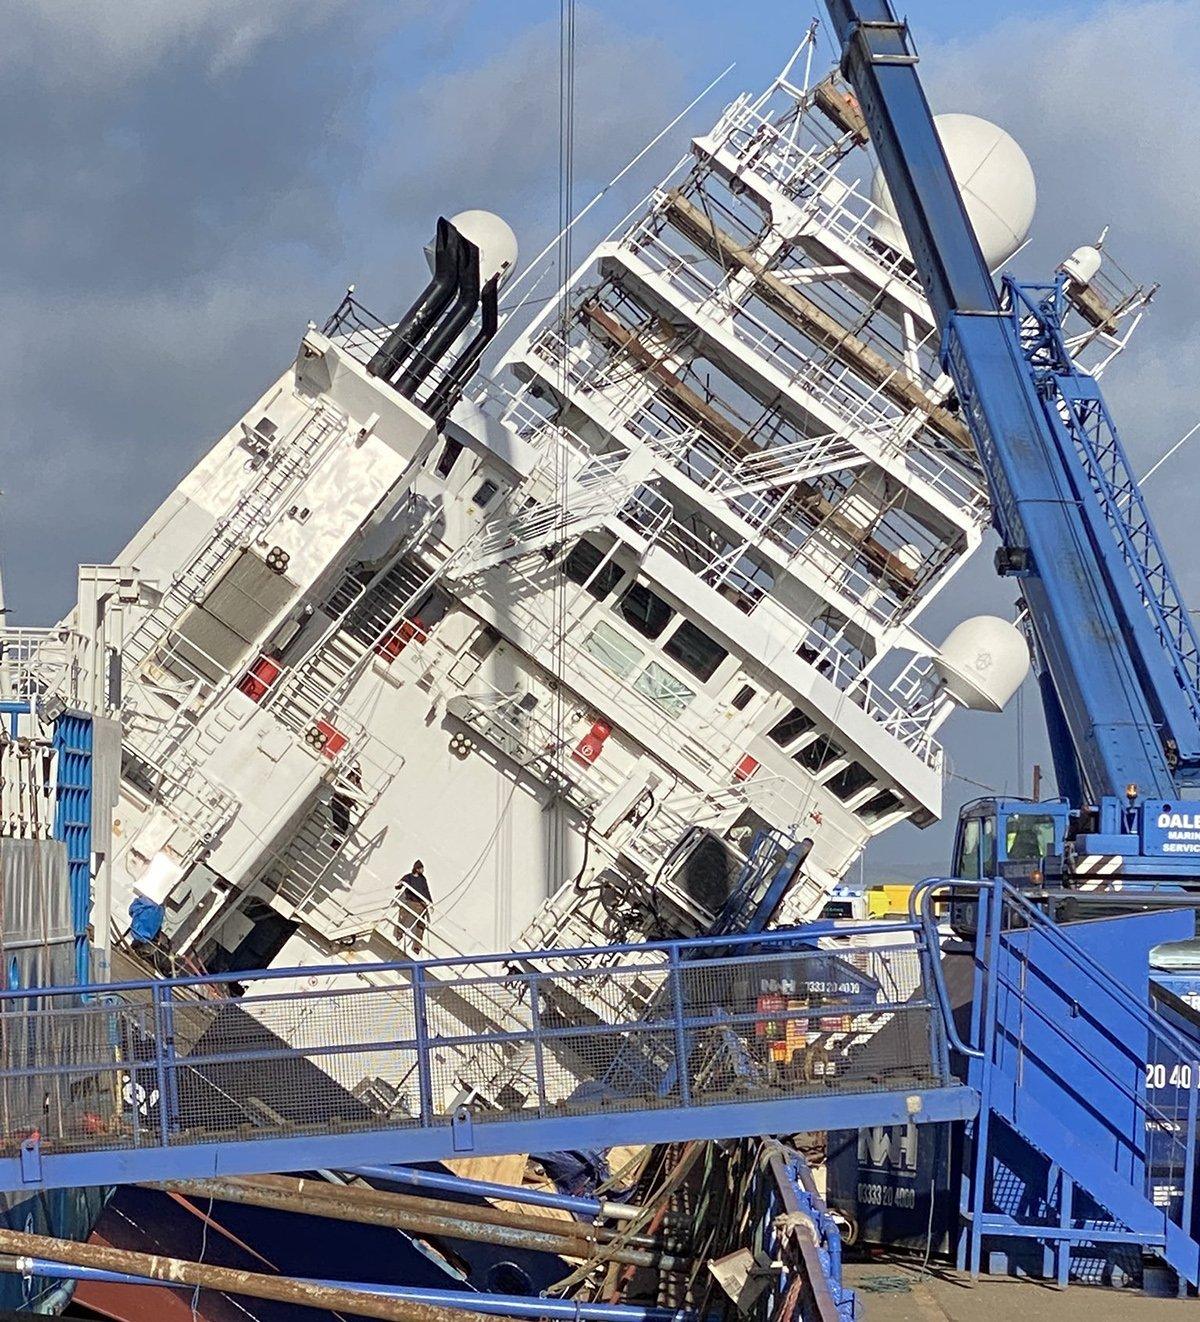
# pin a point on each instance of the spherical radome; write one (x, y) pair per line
(983, 662)
(996, 181)
(495, 240)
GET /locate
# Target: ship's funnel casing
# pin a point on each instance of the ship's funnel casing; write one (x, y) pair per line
(995, 179)
(472, 252)
(983, 662)
(417, 322)
(454, 321)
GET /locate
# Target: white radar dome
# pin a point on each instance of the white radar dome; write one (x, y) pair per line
(1083, 264)
(495, 240)
(995, 179)
(983, 662)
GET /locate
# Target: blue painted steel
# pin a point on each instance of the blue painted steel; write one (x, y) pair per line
(1170, 828)
(460, 1184)
(824, 1296)
(1060, 1051)
(1110, 626)
(166, 1111)
(1138, 578)
(73, 823)
(498, 1305)
(198, 1159)
(772, 863)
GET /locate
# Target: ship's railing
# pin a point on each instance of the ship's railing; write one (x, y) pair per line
(853, 588)
(876, 423)
(673, 256)
(34, 662)
(721, 570)
(148, 1064)
(811, 178)
(661, 427)
(888, 428)
(834, 384)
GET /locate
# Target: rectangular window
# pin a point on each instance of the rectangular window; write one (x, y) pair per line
(484, 494)
(446, 460)
(695, 650)
(663, 689)
(645, 610)
(793, 725)
(581, 564)
(613, 650)
(741, 699)
(852, 778)
(818, 755)
(879, 805)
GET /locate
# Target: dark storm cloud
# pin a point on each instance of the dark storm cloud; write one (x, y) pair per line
(183, 186)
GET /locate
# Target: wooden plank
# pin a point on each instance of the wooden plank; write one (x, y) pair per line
(898, 572)
(812, 320)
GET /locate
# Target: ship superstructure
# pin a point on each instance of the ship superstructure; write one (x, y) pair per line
(576, 633)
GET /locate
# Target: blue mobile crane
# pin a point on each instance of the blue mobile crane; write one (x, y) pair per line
(1117, 656)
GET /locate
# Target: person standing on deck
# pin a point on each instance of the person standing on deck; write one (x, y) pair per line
(412, 904)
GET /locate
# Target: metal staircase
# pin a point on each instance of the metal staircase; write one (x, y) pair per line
(785, 465)
(285, 465)
(1061, 1046)
(366, 622)
(543, 527)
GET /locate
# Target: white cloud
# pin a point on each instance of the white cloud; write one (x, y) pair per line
(1106, 108)
(104, 42)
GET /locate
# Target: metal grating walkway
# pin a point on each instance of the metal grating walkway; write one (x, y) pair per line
(185, 1079)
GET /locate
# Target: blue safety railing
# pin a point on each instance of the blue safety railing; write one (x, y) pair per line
(804, 1239)
(714, 1029)
(1078, 1063)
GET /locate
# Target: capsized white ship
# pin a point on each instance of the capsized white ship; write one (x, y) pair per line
(573, 632)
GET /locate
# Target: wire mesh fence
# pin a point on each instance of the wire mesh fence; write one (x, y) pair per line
(511, 1037)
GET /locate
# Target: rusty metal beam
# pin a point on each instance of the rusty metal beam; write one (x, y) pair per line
(422, 1216)
(231, 1280)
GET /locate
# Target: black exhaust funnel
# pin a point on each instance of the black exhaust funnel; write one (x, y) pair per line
(416, 323)
(452, 324)
(447, 392)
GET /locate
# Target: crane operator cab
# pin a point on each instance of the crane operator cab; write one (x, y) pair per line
(1016, 839)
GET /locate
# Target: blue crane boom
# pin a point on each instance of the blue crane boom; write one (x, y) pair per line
(1117, 651)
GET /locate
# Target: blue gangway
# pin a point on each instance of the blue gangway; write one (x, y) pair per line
(525, 1051)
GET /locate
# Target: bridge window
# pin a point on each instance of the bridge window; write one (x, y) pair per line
(585, 565)
(613, 650)
(645, 610)
(663, 689)
(879, 805)
(819, 754)
(852, 778)
(793, 725)
(695, 650)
